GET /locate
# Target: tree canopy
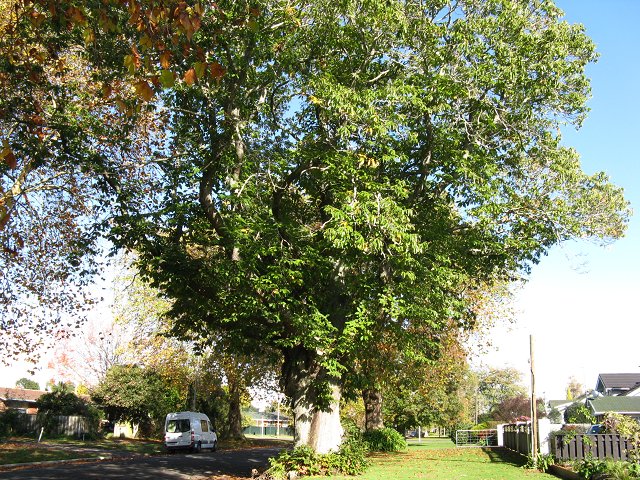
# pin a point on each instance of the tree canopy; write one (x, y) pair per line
(311, 176)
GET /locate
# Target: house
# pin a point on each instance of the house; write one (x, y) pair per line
(23, 400)
(614, 384)
(267, 419)
(19, 399)
(266, 423)
(621, 404)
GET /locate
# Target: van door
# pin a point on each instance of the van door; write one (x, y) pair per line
(206, 433)
(178, 433)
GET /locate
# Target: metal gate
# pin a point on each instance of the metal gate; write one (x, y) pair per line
(477, 438)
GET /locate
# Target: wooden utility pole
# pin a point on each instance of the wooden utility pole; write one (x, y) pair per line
(534, 410)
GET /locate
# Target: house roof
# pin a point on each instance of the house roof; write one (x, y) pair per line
(558, 403)
(25, 395)
(20, 394)
(619, 404)
(618, 381)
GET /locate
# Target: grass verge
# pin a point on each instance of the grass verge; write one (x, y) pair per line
(422, 460)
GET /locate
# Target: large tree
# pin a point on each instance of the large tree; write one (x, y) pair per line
(336, 171)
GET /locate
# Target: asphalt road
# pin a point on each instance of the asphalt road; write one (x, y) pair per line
(175, 467)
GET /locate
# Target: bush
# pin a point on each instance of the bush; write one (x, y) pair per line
(349, 460)
(555, 416)
(304, 461)
(385, 440)
(578, 413)
(611, 468)
(10, 423)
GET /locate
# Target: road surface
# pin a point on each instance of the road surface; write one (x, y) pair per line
(170, 467)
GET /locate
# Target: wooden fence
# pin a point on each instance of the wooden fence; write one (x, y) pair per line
(65, 425)
(517, 437)
(596, 447)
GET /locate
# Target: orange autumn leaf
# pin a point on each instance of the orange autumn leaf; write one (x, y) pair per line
(217, 70)
(144, 90)
(165, 59)
(190, 76)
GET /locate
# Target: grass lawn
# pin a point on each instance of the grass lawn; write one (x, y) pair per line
(27, 453)
(440, 460)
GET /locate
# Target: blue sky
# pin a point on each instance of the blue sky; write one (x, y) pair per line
(583, 323)
(587, 323)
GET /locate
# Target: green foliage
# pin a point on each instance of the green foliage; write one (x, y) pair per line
(541, 462)
(137, 395)
(350, 460)
(615, 469)
(588, 468)
(65, 403)
(555, 416)
(578, 413)
(497, 385)
(10, 423)
(462, 424)
(626, 426)
(385, 440)
(28, 384)
(293, 199)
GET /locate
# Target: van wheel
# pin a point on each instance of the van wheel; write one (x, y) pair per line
(215, 446)
(198, 448)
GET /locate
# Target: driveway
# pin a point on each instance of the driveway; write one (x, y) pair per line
(193, 466)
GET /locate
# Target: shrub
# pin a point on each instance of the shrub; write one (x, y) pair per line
(385, 440)
(555, 416)
(611, 468)
(578, 413)
(10, 423)
(350, 460)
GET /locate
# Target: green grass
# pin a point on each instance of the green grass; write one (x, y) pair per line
(27, 453)
(423, 461)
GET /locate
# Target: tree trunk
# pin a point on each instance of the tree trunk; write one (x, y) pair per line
(372, 398)
(316, 400)
(235, 415)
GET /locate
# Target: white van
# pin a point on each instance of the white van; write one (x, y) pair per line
(189, 430)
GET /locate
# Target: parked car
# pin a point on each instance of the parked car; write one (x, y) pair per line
(190, 430)
(594, 429)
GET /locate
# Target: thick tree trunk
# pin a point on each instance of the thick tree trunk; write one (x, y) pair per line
(316, 400)
(372, 398)
(235, 414)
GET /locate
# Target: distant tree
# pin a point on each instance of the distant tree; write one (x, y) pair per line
(137, 395)
(513, 408)
(495, 385)
(575, 389)
(27, 384)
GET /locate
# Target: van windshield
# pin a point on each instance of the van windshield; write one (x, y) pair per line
(177, 426)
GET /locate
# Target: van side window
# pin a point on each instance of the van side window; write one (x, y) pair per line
(205, 426)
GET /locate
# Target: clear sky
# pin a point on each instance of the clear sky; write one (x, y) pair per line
(583, 323)
(587, 323)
